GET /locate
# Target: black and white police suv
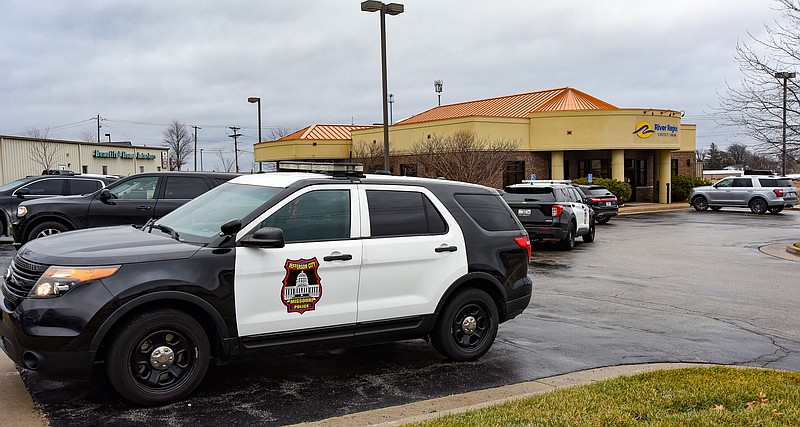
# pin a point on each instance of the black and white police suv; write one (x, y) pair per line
(278, 262)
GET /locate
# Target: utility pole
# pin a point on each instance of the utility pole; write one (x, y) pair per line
(98, 128)
(195, 149)
(235, 137)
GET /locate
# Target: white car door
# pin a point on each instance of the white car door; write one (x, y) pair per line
(312, 282)
(581, 209)
(413, 250)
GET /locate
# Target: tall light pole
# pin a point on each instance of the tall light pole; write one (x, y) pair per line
(235, 137)
(201, 159)
(251, 100)
(195, 149)
(785, 75)
(391, 9)
(437, 86)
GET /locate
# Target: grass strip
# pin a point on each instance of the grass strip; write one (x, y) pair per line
(713, 396)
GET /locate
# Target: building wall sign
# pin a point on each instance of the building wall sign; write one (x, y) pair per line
(644, 130)
(122, 155)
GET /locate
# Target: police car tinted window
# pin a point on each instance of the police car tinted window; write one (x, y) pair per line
(488, 211)
(316, 215)
(530, 194)
(403, 213)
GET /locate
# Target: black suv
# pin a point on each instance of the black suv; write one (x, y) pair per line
(603, 202)
(132, 200)
(551, 211)
(41, 186)
(265, 264)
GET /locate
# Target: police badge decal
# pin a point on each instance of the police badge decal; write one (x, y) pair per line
(302, 287)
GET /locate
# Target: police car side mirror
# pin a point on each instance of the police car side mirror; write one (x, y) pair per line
(267, 237)
(231, 227)
(104, 195)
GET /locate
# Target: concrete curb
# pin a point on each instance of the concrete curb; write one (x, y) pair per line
(18, 407)
(428, 409)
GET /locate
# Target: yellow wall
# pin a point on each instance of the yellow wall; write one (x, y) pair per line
(302, 150)
(603, 130)
(549, 131)
(403, 137)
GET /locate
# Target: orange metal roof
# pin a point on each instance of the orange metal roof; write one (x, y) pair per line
(514, 106)
(324, 132)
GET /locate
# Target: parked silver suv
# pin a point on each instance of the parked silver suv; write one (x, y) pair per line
(761, 193)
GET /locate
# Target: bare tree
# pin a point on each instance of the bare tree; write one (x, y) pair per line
(88, 136)
(179, 141)
(42, 151)
(276, 133)
(756, 104)
(739, 154)
(227, 162)
(463, 156)
(370, 155)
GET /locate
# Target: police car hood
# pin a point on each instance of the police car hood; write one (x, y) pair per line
(107, 245)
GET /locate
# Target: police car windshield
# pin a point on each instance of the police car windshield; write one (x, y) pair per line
(199, 220)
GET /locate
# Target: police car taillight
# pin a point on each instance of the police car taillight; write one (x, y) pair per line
(525, 243)
(778, 192)
(557, 209)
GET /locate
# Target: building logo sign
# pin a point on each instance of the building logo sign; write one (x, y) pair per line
(644, 130)
(122, 155)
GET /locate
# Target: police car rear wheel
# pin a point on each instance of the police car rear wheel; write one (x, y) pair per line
(467, 327)
(158, 357)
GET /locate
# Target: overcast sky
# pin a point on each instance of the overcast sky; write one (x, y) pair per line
(139, 64)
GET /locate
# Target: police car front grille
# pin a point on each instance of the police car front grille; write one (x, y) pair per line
(24, 275)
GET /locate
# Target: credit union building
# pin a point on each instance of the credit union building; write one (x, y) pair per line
(559, 134)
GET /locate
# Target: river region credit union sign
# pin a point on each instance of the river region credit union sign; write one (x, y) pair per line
(122, 155)
(644, 130)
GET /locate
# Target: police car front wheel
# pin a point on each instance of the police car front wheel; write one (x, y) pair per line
(158, 357)
(467, 327)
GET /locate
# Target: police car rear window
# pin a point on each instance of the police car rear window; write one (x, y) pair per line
(488, 211)
(402, 213)
(775, 182)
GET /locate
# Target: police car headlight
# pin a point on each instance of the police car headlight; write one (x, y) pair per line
(21, 211)
(57, 281)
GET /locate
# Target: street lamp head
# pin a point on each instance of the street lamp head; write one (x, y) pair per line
(371, 6)
(253, 99)
(394, 9)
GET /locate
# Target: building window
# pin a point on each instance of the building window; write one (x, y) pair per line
(141, 168)
(85, 169)
(599, 168)
(105, 170)
(674, 167)
(513, 173)
(408, 169)
(642, 173)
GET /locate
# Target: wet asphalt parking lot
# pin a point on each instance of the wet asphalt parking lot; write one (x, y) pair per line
(679, 286)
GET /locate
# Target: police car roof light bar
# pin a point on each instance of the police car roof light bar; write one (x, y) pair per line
(335, 169)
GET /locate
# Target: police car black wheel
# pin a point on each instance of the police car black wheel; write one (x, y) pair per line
(569, 242)
(467, 327)
(158, 357)
(589, 237)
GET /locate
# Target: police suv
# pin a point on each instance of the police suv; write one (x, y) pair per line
(278, 262)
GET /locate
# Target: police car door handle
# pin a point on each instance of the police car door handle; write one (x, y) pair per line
(143, 208)
(340, 257)
(446, 249)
